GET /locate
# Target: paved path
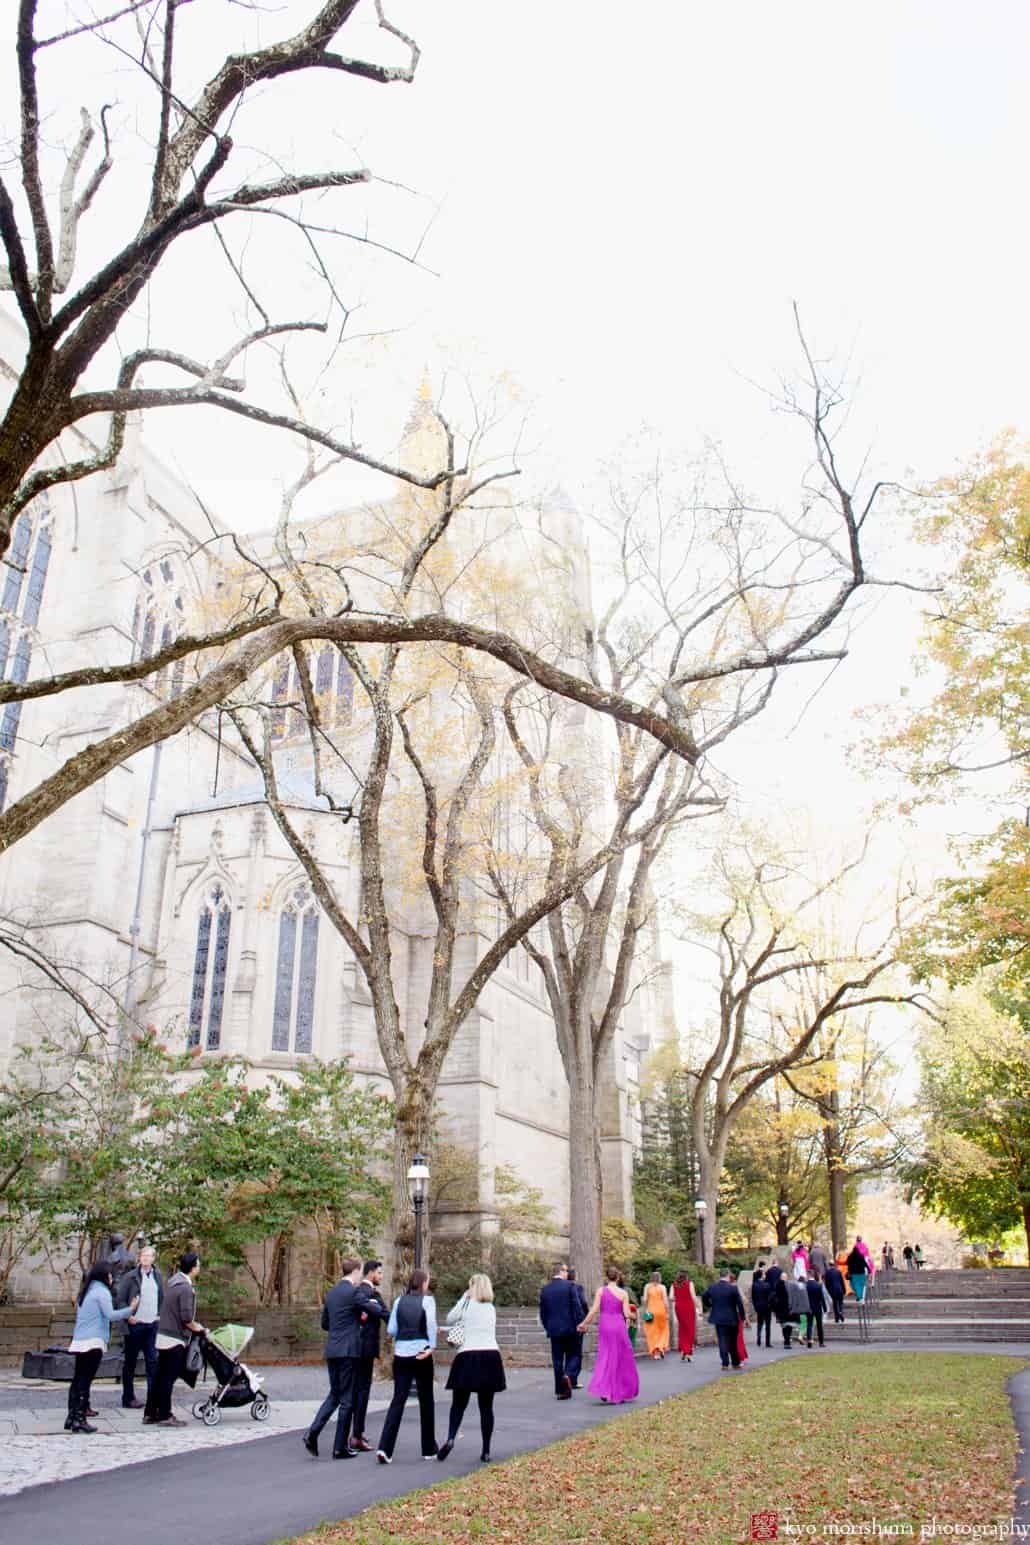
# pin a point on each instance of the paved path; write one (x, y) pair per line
(271, 1490)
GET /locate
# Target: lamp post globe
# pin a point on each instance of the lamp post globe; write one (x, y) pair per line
(418, 1190)
(701, 1208)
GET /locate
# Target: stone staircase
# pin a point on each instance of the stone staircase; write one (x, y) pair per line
(939, 1306)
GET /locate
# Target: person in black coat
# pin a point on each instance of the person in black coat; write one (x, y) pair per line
(584, 1310)
(773, 1275)
(560, 1315)
(836, 1288)
(781, 1309)
(341, 1318)
(726, 1311)
(761, 1302)
(374, 1315)
(814, 1318)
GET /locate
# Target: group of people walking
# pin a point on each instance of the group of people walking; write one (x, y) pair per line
(159, 1319)
(353, 1316)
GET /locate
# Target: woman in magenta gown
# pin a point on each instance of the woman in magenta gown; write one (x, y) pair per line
(615, 1377)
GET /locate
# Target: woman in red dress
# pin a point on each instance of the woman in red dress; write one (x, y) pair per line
(741, 1343)
(685, 1301)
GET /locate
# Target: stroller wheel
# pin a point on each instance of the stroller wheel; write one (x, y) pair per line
(261, 1408)
(210, 1414)
(199, 1407)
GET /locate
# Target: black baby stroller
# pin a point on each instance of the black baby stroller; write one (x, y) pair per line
(237, 1386)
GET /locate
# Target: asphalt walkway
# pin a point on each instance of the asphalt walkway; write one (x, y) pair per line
(270, 1490)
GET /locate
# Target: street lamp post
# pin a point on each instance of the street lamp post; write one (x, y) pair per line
(701, 1208)
(418, 1188)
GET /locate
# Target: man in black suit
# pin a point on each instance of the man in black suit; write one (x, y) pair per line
(836, 1288)
(761, 1302)
(341, 1317)
(374, 1314)
(584, 1310)
(559, 1315)
(726, 1311)
(814, 1318)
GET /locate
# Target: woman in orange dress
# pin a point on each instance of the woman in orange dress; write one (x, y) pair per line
(654, 1311)
(685, 1300)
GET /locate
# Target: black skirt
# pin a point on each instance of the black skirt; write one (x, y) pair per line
(475, 1371)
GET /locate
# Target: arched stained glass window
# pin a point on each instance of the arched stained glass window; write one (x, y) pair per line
(336, 707)
(210, 964)
(27, 562)
(157, 621)
(293, 1009)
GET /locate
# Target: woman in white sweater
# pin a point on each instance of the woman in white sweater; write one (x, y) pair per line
(477, 1369)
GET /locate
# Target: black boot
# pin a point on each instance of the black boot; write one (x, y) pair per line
(79, 1422)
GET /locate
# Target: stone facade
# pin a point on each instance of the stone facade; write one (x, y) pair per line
(119, 880)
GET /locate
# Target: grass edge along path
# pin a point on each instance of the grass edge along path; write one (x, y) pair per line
(815, 1447)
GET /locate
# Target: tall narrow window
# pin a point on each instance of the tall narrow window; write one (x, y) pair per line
(157, 621)
(293, 1010)
(27, 563)
(210, 963)
(336, 704)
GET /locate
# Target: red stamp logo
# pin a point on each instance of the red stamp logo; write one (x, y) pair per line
(765, 1526)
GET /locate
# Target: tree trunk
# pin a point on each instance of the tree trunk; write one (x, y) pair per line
(412, 1120)
(706, 1235)
(836, 1178)
(782, 1236)
(1026, 1227)
(585, 1180)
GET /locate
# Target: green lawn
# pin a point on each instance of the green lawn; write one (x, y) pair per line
(883, 1438)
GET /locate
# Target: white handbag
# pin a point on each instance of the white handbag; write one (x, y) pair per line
(456, 1332)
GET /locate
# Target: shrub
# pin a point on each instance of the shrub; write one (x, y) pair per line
(517, 1273)
(621, 1242)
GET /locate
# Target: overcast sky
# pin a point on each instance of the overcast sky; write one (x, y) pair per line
(622, 204)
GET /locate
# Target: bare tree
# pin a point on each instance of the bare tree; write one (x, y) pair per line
(196, 179)
(781, 996)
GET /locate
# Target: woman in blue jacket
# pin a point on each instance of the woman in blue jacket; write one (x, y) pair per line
(89, 1341)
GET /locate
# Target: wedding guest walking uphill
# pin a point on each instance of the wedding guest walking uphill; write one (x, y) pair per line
(477, 1369)
(560, 1315)
(761, 1302)
(374, 1315)
(656, 1317)
(615, 1377)
(177, 1323)
(857, 1271)
(727, 1313)
(89, 1341)
(413, 1327)
(685, 1301)
(341, 1318)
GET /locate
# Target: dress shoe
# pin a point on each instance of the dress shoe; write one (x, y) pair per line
(149, 1421)
(444, 1450)
(310, 1441)
(132, 1405)
(346, 1453)
(361, 1444)
(171, 1421)
(90, 1411)
(384, 1459)
(566, 1394)
(484, 1458)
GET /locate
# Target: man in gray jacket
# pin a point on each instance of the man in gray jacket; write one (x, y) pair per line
(146, 1283)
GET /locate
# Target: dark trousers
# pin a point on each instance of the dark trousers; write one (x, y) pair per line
(816, 1319)
(170, 1364)
(86, 1365)
(838, 1307)
(459, 1405)
(362, 1390)
(567, 1358)
(764, 1317)
(138, 1339)
(408, 1370)
(727, 1335)
(342, 1389)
